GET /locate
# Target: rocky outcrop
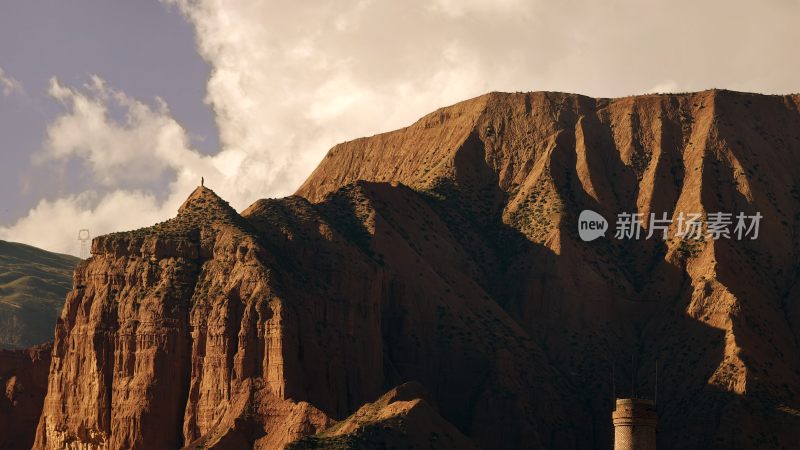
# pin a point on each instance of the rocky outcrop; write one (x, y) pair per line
(403, 418)
(217, 330)
(447, 253)
(147, 351)
(23, 384)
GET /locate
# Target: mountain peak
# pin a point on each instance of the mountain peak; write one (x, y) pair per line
(204, 206)
(203, 198)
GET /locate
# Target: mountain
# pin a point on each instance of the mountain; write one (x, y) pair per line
(33, 284)
(429, 286)
(721, 316)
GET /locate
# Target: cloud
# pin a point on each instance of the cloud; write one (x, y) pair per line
(458, 8)
(289, 80)
(129, 148)
(54, 225)
(138, 149)
(9, 85)
(125, 157)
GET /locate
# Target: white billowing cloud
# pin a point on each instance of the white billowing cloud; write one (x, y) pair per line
(139, 149)
(133, 150)
(291, 79)
(9, 85)
(54, 225)
(127, 145)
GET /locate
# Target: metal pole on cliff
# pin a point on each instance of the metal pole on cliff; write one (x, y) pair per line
(655, 395)
(202, 181)
(613, 384)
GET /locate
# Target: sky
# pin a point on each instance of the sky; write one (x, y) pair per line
(112, 110)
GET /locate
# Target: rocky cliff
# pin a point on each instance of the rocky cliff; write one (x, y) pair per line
(23, 383)
(447, 254)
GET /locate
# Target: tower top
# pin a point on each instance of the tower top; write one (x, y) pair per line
(634, 424)
(634, 410)
(84, 237)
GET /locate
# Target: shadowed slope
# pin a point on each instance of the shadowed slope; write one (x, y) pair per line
(721, 316)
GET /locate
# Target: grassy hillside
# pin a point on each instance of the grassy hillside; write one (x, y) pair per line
(33, 284)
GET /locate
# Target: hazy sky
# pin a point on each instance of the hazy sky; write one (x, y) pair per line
(111, 110)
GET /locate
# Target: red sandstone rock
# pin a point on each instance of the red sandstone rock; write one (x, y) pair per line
(23, 384)
(721, 316)
(447, 253)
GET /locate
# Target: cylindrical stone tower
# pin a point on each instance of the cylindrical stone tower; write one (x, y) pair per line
(634, 424)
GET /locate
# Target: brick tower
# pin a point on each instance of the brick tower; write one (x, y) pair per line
(634, 424)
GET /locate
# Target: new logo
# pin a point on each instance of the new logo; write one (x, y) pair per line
(591, 225)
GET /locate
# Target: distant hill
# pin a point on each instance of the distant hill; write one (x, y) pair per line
(33, 284)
